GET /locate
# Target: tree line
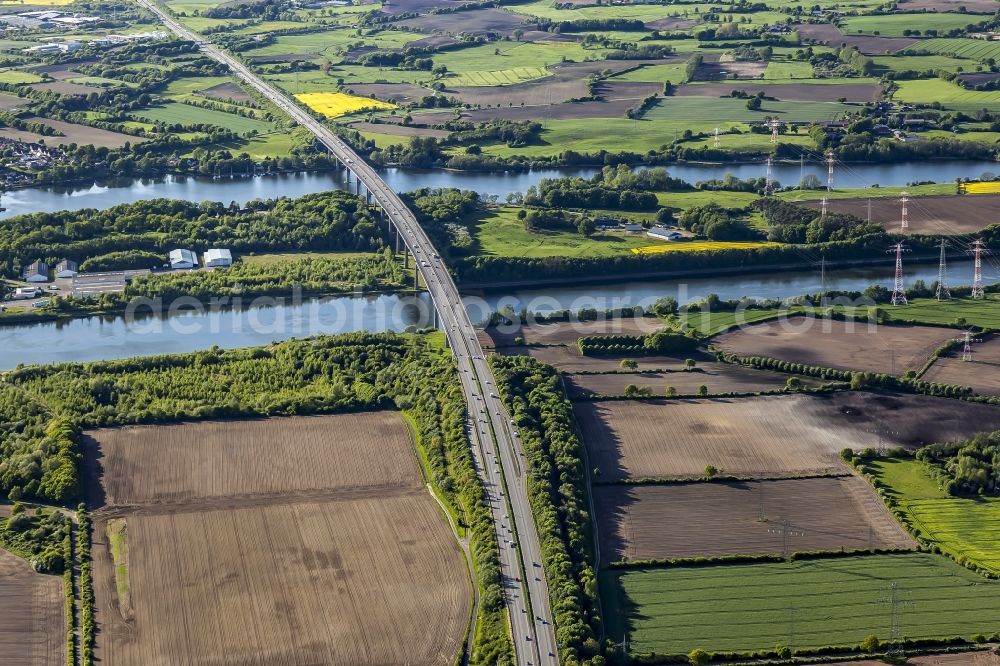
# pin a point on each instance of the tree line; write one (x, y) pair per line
(557, 490)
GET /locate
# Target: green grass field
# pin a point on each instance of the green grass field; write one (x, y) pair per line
(705, 197)
(984, 313)
(930, 189)
(545, 9)
(894, 25)
(654, 74)
(902, 63)
(185, 114)
(802, 604)
(503, 77)
(974, 49)
(730, 109)
(16, 76)
(514, 55)
(950, 95)
(500, 233)
(711, 323)
(963, 528)
(788, 70)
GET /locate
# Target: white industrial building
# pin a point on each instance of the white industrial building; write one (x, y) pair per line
(22, 293)
(66, 268)
(37, 272)
(181, 258)
(665, 234)
(218, 257)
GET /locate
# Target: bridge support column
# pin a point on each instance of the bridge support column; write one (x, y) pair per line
(437, 322)
(416, 276)
(406, 258)
(357, 185)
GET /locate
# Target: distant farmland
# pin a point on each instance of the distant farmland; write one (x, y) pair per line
(290, 542)
(805, 603)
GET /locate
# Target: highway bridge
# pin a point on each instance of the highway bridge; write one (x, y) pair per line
(495, 443)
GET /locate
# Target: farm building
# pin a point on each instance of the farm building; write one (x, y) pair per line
(218, 257)
(664, 234)
(66, 268)
(22, 293)
(37, 272)
(181, 258)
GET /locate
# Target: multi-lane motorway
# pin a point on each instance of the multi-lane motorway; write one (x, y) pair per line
(495, 441)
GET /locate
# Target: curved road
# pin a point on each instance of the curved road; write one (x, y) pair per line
(490, 429)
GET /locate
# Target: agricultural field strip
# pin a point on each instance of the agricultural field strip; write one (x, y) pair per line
(702, 519)
(749, 607)
(272, 494)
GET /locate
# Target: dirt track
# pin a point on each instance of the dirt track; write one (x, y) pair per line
(287, 542)
(32, 627)
(711, 519)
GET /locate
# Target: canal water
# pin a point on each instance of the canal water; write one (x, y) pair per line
(267, 320)
(105, 194)
(264, 321)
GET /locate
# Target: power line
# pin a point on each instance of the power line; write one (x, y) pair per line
(897, 600)
(942, 292)
(898, 291)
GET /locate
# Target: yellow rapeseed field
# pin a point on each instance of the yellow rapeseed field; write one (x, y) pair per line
(336, 104)
(700, 246)
(992, 187)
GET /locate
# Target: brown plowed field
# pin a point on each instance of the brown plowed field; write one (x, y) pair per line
(569, 359)
(472, 21)
(959, 214)
(213, 459)
(838, 344)
(227, 92)
(717, 377)
(672, 23)
(398, 130)
(32, 625)
(712, 519)
(608, 108)
(372, 581)
(287, 542)
(824, 33)
(84, 134)
(982, 373)
(567, 333)
(402, 93)
(765, 437)
(810, 92)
